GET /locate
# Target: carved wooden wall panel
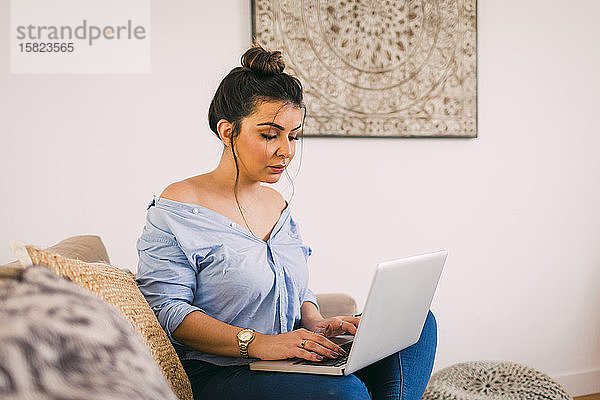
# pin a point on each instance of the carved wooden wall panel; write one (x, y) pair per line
(378, 68)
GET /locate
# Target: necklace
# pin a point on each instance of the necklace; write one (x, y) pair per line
(246, 209)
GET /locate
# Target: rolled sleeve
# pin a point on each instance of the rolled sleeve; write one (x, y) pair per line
(171, 315)
(310, 296)
(166, 279)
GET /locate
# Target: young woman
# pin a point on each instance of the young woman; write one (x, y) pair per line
(223, 266)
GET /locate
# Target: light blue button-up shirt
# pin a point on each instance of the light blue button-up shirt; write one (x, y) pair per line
(193, 258)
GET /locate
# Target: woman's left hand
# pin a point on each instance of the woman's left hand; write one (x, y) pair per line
(336, 326)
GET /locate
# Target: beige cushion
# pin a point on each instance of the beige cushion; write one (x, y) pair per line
(88, 248)
(118, 287)
(334, 304)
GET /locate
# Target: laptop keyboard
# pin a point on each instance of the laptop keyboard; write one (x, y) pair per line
(335, 362)
(327, 362)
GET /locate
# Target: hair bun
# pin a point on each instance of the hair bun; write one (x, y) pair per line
(263, 62)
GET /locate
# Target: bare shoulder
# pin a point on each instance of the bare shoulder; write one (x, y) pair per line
(274, 197)
(178, 191)
(186, 191)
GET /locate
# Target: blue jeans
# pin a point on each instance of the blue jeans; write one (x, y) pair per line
(403, 375)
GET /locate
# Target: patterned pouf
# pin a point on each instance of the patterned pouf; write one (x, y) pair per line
(492, 380)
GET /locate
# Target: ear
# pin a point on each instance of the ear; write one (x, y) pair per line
(225, 129)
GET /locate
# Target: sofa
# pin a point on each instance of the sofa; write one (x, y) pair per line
(74, 326)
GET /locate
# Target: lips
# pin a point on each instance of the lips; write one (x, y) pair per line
(277, 168)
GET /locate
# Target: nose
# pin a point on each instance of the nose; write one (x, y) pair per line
(285, 147)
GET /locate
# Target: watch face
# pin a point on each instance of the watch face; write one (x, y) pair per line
(245, 336)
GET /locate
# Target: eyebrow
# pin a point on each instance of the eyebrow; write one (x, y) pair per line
(281, 128)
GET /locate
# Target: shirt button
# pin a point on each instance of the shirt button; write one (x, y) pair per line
(232, 225)
(195, 211)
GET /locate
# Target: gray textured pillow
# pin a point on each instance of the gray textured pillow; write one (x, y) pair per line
(58, 341)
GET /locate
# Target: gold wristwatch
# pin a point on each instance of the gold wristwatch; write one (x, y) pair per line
(245, 337)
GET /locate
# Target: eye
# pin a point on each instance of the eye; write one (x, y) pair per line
(268, 137)
(293, 138)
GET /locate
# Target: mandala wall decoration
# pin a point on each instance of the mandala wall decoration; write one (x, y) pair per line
(376, 68)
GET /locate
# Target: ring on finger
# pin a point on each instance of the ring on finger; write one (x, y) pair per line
(341, 322)
(303, 343)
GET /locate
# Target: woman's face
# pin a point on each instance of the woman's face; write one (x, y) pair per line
(267, 141)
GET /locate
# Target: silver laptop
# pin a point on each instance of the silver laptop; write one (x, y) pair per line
(394, 315)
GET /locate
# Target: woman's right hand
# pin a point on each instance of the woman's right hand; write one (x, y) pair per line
(300, 343)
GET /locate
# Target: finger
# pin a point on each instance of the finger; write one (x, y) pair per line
(319, 349)
(320, 331)
(307, 355)
(330, 330)
(348, 327)
(334, 328)
(323, 341)
(354, 320)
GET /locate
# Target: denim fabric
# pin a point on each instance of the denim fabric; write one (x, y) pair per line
(403, 375)
(193, 258)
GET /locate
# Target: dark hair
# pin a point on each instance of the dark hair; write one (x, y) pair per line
(260, 78)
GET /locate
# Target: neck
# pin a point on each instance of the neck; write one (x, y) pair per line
(224, 177)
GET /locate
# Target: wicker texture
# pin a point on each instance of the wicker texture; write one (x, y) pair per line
(118, 287)
(492, 380)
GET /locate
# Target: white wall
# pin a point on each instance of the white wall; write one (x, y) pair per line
(517, 207)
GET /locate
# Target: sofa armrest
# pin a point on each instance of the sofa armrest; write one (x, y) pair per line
(332, 304)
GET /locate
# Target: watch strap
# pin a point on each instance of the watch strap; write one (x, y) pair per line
(243, 349)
